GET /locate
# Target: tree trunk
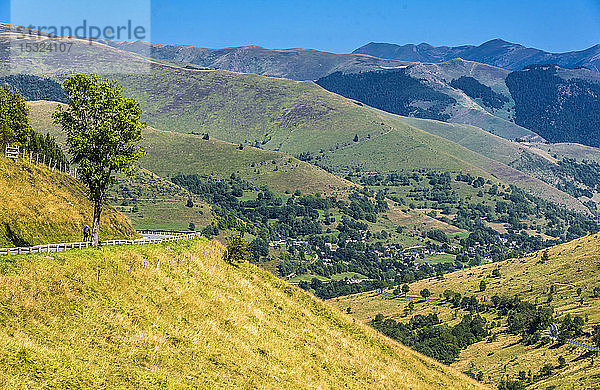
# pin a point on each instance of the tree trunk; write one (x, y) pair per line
(96, 225)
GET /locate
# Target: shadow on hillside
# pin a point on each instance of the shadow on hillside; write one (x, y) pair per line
(15, 238)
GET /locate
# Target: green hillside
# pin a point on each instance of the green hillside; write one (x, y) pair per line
(478, 140)
(176, 316)
(297, 118)
(302, 119)
(170, 153)
(42, 207)
(546, 162)
(567, 282)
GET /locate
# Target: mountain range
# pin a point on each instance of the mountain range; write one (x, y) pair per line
(304, 120)
(467, 84)
(296, 63)
(496, 52)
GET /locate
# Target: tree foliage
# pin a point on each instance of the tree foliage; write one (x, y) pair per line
(427, 335)
(237, 251)
(15, 128)
(559, 110)
(14, 118)
(474, 89)
(35, 87)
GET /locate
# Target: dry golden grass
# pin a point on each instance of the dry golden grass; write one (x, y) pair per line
(571, 266)
(40, 207)
(176, 316)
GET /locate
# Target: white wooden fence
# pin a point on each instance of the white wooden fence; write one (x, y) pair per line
(11, 152)
(14, 153)
(47, 248)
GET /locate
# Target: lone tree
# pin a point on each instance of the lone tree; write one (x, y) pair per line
(425, 293)
(237, 251)
(405, 289)
(482, 285)
(103, 129)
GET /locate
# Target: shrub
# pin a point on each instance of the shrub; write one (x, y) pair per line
(237, 251)
(482, 285)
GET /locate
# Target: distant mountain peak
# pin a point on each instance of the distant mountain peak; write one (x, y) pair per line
(496, 52)
(500, 41)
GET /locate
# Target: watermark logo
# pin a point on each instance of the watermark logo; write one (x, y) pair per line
(85, 30)
(79, 37)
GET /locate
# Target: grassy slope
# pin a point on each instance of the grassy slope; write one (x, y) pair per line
(572, 265)
(171, 153)
(152, 202)
(570, 150)
(176, 316)
(40, 207)
(473, 138)
(511, 162)
(297, 117)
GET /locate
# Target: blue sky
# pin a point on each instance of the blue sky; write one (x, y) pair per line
(337, 26)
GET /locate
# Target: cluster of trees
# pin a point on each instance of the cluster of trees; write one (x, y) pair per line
(578, 178)
(268, 216)
(314, 223)
(523, 318)
(391, 179)
(336, 288)
(390, 90)
(511, 205)
(474, 89)
(310, 218)
(15, 128)
(428, 335)
(425, 334)
(558, 109)
(35, 88)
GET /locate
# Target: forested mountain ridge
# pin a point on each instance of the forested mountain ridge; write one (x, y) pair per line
(540, 102)
(557, 108)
